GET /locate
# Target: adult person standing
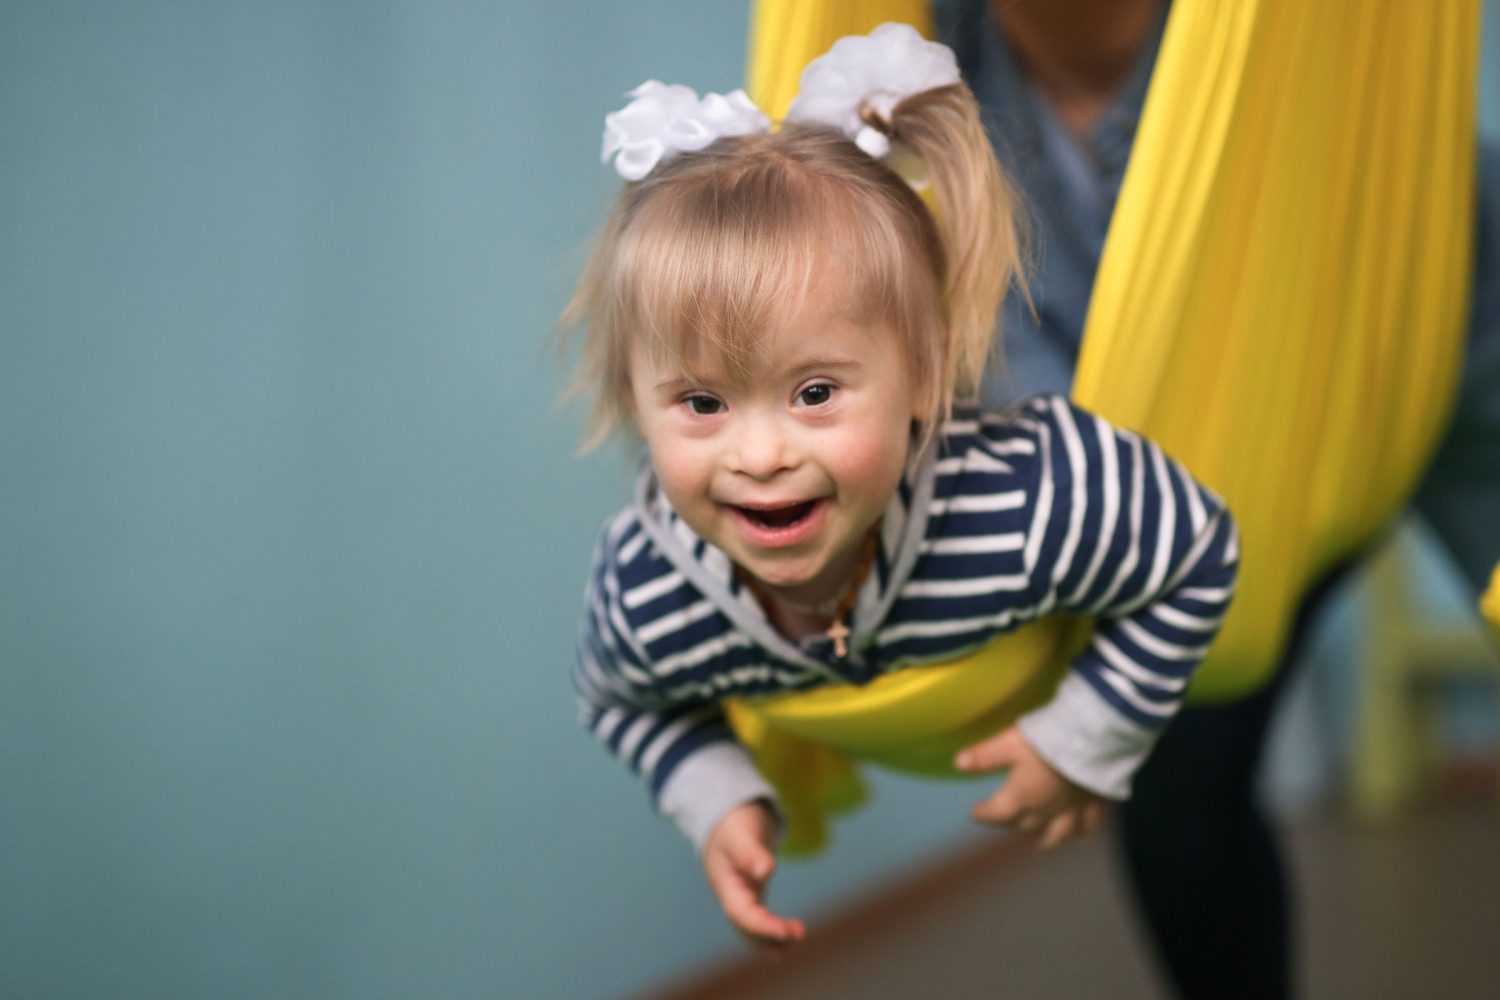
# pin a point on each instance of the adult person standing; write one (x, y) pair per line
(1064, 83)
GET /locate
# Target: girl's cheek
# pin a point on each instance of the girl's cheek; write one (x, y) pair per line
(862, 454)
(678, 464)
(873, 452)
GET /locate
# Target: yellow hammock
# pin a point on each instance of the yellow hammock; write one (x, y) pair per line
(1280, 303)
(1489, 605)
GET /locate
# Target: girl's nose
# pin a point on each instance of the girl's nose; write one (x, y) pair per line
(762, 448)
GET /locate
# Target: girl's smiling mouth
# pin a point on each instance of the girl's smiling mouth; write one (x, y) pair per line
(780, 526)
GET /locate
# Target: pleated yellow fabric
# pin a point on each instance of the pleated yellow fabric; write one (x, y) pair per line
(1282, 297)
(786, 35)
(1280, 303)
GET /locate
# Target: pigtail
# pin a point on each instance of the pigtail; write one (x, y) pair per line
(976, 217)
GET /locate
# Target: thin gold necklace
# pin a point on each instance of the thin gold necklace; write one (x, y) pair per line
(837, 631)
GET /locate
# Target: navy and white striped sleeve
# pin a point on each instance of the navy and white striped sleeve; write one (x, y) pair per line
(695, 769)
(1121, 532)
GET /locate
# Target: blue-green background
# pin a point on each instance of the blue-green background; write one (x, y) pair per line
(291, 532)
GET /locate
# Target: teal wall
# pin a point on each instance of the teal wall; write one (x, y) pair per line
(293, 537)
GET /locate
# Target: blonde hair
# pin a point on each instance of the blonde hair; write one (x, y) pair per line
(708, 248)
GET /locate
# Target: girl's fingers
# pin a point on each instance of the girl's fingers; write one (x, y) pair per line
(739, 880)
(1000, 809)
(753, 860)
(1029, 824)
(760, 924)
(993, 754)
(1007, 809)
(1061, 827)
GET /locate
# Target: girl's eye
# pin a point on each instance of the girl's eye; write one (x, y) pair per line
(816, 394)
(703, 406)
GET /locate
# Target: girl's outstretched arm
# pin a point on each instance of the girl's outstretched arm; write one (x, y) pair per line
(680, 745)
(1123, 534)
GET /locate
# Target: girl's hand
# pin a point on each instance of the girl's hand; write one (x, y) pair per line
(1035, 800)
(739, 863)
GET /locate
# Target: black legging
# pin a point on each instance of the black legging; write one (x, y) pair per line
(1204, 860)
(1200, 853)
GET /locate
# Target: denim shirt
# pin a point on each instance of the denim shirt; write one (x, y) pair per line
(1069, 187)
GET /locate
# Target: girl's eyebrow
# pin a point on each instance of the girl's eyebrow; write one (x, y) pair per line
(826, 361)
(684, 380)
(835, 361)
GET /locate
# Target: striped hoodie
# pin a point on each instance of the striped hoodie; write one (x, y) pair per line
(1005, 518)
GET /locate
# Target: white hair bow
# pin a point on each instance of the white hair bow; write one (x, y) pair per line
(663, 121)
(878, 70)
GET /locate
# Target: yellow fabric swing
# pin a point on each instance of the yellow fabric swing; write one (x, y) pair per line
(1280, 303)
(1489, 604)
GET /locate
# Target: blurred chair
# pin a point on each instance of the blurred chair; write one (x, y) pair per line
(1409, 659)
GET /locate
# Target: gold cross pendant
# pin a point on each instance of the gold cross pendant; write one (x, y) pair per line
(838, 632)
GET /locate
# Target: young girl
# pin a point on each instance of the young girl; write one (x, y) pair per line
(787, 326)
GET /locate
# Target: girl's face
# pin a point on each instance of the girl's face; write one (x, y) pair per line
(787, 469)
